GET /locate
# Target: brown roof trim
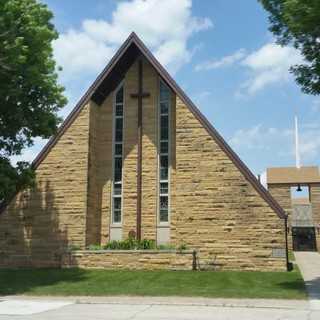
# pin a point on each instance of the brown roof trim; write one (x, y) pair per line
(133, 38)
(292, 175)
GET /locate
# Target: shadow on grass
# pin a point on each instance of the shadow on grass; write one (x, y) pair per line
(152, 283)
(296, 285)
(24, 281)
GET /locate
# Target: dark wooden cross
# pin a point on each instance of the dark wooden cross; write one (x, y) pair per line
(140, 95)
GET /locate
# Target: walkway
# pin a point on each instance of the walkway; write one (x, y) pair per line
(144, 308)
(309, 264)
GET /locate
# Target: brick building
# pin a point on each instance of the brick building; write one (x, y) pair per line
(135, 156)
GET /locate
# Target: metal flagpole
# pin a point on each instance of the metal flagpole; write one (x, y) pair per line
(298, 164)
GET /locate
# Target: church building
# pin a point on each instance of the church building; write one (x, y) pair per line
(136, 158)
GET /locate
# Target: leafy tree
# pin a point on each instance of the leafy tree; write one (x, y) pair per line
(30, 96)
(297, 22)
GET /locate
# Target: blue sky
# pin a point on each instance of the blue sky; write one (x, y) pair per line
(219, 51)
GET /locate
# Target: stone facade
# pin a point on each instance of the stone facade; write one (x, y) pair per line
(282, 193)
(131, 259)
(213, 208)
(315, 201)
(218, 212)
(40, 223)
(100, 172)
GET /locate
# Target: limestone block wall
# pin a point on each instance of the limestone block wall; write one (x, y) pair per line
(104, 166)
(129, 175)
(315, 201)
(100, 172)
(131, 259)
(40, 223)
(93, 217)
(282, 193)
(149, 152)
(218, 212)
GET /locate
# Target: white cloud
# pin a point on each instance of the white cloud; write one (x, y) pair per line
(266, 66)
(78, 53)
(256, 137)
(166, 33)
(269, 65)
(280, 141)
(226, 61)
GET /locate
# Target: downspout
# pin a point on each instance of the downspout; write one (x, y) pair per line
(288, 263)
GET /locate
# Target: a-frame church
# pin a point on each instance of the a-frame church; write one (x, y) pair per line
(137, 158)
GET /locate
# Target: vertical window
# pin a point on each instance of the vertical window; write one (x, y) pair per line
(117, 157)
(164, 155)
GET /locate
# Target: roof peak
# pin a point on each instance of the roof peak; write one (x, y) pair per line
(114, 72)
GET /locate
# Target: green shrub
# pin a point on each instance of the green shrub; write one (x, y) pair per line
(128, 244)
(165, 247)
(146, 244)
(94, 247)
(131, 244)
(112, 245)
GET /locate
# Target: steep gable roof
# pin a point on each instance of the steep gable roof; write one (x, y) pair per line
(108, 80)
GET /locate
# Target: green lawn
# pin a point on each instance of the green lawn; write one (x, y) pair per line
(152, 283)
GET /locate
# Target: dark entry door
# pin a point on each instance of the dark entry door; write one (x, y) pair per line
(304, 239)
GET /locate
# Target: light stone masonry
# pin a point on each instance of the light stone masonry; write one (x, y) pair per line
(129, 259)
(214, 209)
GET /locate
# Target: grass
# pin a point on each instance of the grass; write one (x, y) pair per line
(225, 284)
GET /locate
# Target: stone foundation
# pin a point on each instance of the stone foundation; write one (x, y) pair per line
(143, 260)
(129, 259)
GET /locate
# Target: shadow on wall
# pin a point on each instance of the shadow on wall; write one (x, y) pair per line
(101, 160)
(31, 233)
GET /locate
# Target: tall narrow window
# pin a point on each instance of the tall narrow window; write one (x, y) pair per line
(117, 157)
(164, 154)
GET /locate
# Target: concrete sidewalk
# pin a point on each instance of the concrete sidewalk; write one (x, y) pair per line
(309, 265)
(172, 300)
(173, 308)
